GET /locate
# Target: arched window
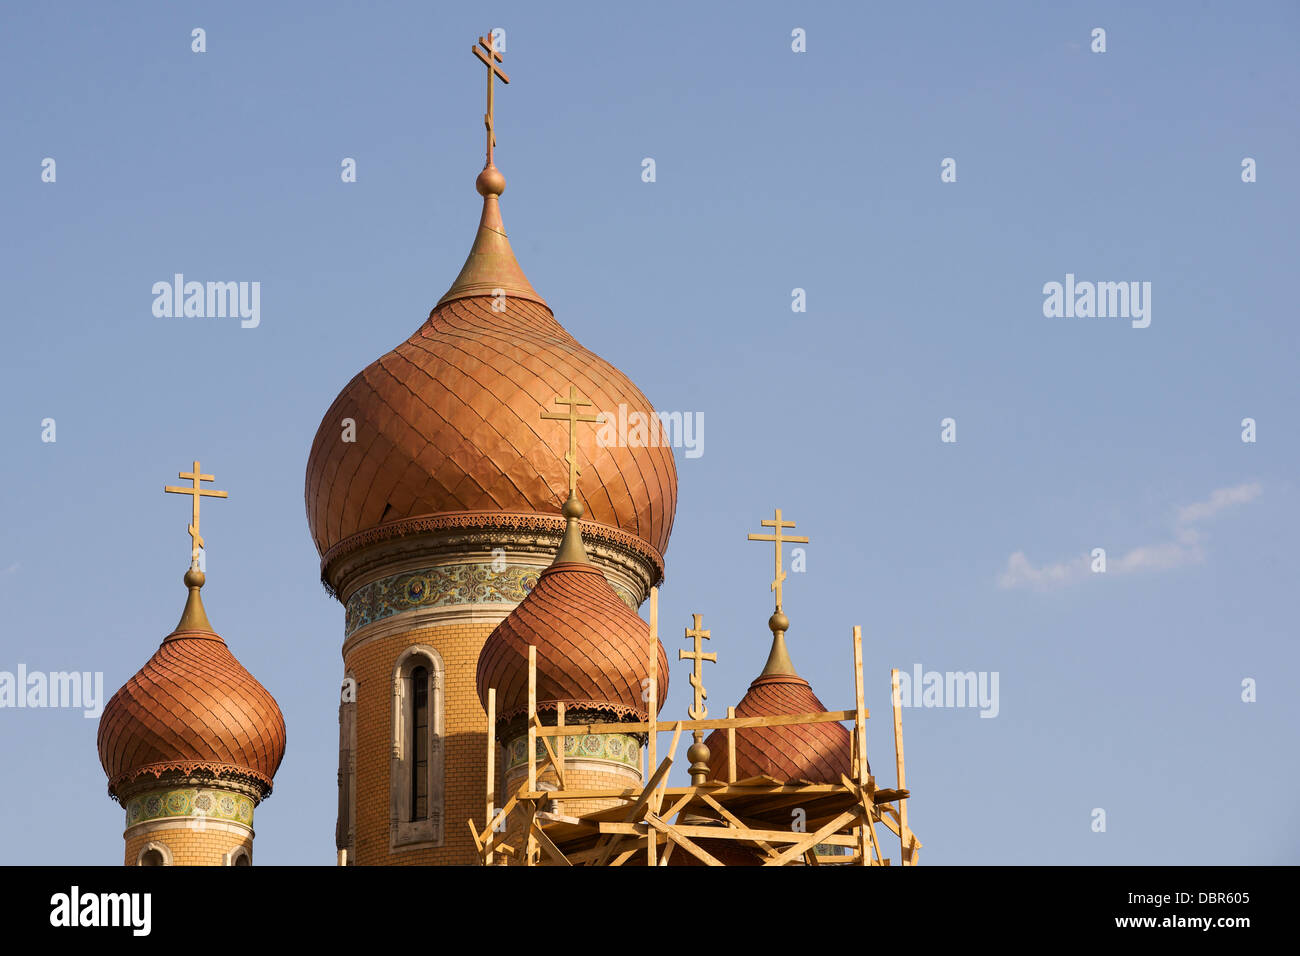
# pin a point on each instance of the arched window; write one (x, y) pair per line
(417, 751)
(239, 856)
(154, 854)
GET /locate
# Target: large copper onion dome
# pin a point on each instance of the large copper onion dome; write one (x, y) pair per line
(592, 649)
(192, 709)
(447, 422)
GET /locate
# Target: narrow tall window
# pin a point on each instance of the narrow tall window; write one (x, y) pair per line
(419, 743)
(416, 785)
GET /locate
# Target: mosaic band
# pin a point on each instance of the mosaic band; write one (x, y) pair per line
(443, 586)
(613, 748)
(190, 802)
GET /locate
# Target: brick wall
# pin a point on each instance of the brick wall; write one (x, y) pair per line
(189, 847)
(464, 759)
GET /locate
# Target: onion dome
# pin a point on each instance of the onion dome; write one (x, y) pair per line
(446, 423)
(591, 647)
(191, 710)
(815, 752)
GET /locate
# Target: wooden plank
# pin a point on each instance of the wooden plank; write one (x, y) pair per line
(627, 793)
(869, 826)
(559, 743)
(742, 835)
(501, 815)
(677, 735)
(652, 714)
(548, 846)
(478, 844)
(668, 852)
(734, 821)
(530, 844)
(860, 717)
(638, 808)
(532, 712)
(682, 840)
(680, 802)
(813, 839)
(530, 817)
(491, 771)
(898, 758)
(552, 759)
(731, 747)
(712, 723)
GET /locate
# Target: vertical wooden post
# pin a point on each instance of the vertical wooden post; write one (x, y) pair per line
(559, 746)
(903, 833)
(860, 720)
(531, 844)
(491, 770)
(731, 748)
(652, 738)
(532, 712)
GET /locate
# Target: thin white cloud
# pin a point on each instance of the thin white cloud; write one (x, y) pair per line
(1185, 549)
(1223, 498)
(1020, 573)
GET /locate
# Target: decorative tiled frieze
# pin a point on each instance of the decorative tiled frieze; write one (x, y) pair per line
(615, 748)
(190, 802)
(445, 585)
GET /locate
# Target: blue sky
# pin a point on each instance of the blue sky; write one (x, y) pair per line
(775, 170)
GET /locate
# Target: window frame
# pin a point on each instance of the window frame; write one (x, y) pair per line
(405, 832)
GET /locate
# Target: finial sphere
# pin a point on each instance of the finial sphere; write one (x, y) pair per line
(778, 622)
(490, 182)
(194, 578)
(573, 508)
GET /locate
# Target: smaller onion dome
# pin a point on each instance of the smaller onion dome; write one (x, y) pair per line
(192, 709)
(815, 752)
(591, 647)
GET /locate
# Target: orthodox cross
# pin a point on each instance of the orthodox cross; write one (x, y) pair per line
(490, 59)
(197, 476)
(697, 711)
(572, 416)
(779, 539)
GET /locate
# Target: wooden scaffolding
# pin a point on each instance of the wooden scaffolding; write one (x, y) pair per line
(754, 815)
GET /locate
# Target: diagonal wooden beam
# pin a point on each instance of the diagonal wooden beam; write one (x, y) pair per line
(551, 758)
(548, 845)
(813, 839)
(872, 814)
(681, 840)
(478, 844)
(736, 822)
(641, 806)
